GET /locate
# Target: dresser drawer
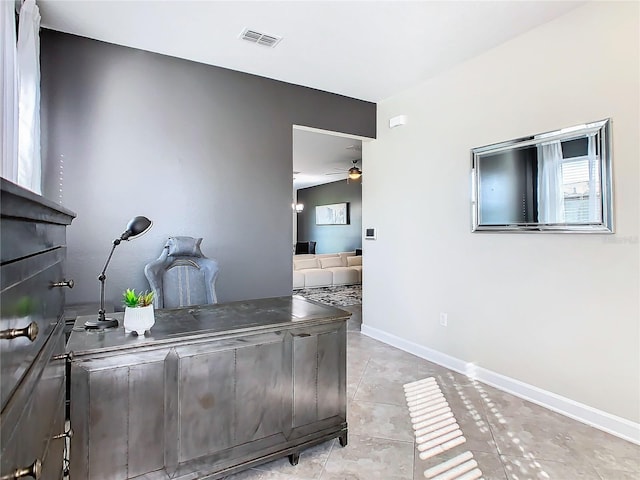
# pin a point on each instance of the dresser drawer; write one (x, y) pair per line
(33, 417)
(30, 301)
(21, 239)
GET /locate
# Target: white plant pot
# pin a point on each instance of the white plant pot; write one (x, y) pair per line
(138, 319)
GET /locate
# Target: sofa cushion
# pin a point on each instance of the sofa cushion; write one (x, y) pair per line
(303, 256)
(357, 268)
(305, 264)
(298, 280)
(317, 277)
(344, 275)
(353, 261)
(344, 256)
(329, 262)
(326, 255)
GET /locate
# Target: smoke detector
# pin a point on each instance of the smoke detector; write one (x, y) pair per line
(260, 38)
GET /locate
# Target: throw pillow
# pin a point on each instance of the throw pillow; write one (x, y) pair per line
(330, 262)
(354, 261)
(304, 264)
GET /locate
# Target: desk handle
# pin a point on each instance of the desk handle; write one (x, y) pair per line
(63, 356)
(30, 331)
(64, 283)
(34, 471)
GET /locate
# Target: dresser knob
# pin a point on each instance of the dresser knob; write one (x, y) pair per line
(30, 331)
(34, 471)
(64, 283)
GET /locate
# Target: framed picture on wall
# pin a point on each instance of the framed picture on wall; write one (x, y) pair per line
(334, 214)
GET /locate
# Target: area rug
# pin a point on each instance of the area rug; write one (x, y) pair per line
(337, 296)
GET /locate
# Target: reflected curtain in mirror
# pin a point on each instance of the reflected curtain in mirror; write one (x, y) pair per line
(550, 185)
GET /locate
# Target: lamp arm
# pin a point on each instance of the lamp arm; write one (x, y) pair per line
(102, 277)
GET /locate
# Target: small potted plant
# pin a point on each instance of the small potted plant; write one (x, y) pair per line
(138, 311)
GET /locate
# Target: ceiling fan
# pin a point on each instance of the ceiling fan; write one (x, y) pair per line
(354, 173)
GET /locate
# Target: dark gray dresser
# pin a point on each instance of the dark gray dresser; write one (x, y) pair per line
(32, 341)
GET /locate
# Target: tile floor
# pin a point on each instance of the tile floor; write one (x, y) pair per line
(510, 439)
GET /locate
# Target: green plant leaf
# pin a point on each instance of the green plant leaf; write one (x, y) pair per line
(145, 299)
(130, 298)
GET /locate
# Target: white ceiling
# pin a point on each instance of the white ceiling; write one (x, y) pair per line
(322, 158)
(368, 50)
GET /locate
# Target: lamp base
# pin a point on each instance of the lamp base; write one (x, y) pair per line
(100, 324)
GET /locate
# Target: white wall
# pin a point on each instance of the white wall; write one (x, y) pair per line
(560, 312)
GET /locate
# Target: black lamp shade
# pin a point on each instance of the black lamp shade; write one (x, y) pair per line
(137, 226)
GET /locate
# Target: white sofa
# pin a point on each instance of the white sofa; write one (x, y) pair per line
(326, 269)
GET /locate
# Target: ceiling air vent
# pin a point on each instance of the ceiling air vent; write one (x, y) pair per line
(260, 38)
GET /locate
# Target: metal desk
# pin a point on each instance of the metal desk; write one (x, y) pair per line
(211, 390)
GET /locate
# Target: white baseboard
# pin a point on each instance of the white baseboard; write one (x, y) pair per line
(599, 419)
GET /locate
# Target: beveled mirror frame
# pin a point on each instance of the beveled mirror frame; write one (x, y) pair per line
(600, 131)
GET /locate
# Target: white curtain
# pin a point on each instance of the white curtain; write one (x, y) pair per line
(595, 205)
(28, 60)
(9, 133)
(550, 191)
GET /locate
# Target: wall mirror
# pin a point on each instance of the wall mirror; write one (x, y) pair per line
(557, 181)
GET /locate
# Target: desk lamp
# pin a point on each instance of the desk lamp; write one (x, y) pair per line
(136, 227)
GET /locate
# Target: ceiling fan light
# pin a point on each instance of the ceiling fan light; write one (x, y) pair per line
(354, 173)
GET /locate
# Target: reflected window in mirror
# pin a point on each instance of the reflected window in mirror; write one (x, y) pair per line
(555, 181)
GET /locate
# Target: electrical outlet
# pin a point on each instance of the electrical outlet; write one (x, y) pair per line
(443, 319)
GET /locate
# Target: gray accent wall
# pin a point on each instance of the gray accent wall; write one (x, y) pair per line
(201, 150)
(331, 238)
(508, 187)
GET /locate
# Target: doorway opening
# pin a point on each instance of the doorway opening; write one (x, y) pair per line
(328, 171)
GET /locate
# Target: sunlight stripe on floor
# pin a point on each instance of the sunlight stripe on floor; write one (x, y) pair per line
(437, 431)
